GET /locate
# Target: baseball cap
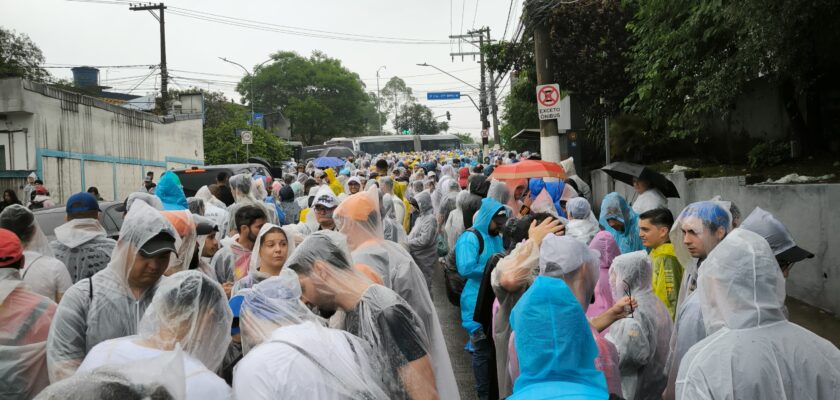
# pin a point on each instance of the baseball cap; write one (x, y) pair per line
(81, 202)
(325, 197)
(157, 245)
(776, 235)
(10, 248)
(204, 225)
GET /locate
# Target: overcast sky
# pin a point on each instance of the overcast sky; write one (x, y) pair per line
(72, 33)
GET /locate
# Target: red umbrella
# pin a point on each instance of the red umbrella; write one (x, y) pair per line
(529, 169)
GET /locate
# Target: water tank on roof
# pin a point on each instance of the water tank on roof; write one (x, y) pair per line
(85, 76)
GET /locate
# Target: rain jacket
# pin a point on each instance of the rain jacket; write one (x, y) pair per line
(643, 340)
(335, 185)
(402, 213)
(231, 262)
(471, 264)
(667, 275)
(422, 240)
(753, 351)
(615, 207)
(171, 193)
(555, 348)
(289, 206)
(392, 230)
(608, 250)
(83, 246)
(557, 190)
(25, 319)
(651, 199)
(103, 306)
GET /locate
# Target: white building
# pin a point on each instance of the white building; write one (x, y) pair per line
(73, 141)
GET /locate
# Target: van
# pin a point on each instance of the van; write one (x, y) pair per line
(194, 178)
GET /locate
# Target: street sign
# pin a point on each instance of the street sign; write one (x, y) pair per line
(485, 133)
(443, 95)
(247, 137)
(548, 99)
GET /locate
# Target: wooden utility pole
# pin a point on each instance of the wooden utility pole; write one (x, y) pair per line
(549, 135)
(164, 76)
(494, 108)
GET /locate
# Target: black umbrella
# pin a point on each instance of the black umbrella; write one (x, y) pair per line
(625, 172)
(340, 152)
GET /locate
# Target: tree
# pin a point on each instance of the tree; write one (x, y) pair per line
(519, 109)
(374, 117)
(465, 138)
(394, 94)
(322, 98)
(20, 57)
(419, 119)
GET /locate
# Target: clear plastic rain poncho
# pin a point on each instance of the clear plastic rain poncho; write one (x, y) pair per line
(392, 230)
(256, 276)
(605, 245)
(203, 193)
(454, 225)
(576, 264)
(615, 207)
(422, 240)
(24, 324)
(752, 351)
(569, 166)
(357, 219)
(86, 318)
(554, 345)
(185, 242)
(651, 199)
(41, 272)
(291, 355)
(372, 312)
(642, 340)
(449, 195)
(773, 231)
(150, 200)
(582, 223)
(83, 246)
(245, 192)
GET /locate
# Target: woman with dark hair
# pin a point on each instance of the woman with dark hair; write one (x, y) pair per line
(9, 198)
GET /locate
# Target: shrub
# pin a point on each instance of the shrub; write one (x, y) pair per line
(768, 154)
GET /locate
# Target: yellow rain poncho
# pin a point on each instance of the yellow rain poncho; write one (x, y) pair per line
(667, 275)
(335, 185)
(399, 191)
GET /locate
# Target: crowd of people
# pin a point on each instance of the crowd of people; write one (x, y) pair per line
(317, 285)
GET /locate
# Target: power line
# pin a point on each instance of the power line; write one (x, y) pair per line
(507, 22)
(475, 13)
(144, 80)
(463, 11)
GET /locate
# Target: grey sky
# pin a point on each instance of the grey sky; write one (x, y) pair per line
(82, 33)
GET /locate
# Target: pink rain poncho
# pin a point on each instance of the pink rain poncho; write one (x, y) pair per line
(605, 245)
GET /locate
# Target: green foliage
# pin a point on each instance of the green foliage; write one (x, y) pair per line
(20, 57)
(419, 119)
(631, 139)
(768, 154)
(322, 98)
(394, 94)
(519, 109)
(465, 138)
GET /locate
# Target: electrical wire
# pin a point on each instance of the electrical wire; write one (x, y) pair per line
(141, 82)
(507, 21)
(475, 13)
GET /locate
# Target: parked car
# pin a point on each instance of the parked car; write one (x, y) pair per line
(53, 217)
(194, 178)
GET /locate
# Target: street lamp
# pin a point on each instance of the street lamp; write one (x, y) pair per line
(378, 113)
(251, 90)
(447, 73)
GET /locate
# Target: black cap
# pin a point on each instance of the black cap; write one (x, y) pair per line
(159, 244)
(794, 254)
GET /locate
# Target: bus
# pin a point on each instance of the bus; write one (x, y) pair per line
(406, 143)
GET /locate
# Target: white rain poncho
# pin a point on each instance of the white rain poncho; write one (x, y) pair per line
(41, 272)
(185, 242)
(83, 246)
(454, 225)
(148, 198)
(651, 199)
(752, 351)
(422, 240)
(501, 193)
(24, 324)
(358, 220)
(773, 231)
(204, 193)
(577, 265)
(582, 223)
(447, 200)
(392, 230)
(291, 355)
(256, 276)
(569, 166)
(245, 192)
(641, 340)
(189, 312)
(196, 205)
(705, 220)
(86, 318)
(372, 312)
(158, 378)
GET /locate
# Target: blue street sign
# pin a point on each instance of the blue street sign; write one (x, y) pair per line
(258, 119)
(443, 95)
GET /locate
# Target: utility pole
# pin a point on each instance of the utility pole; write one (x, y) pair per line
(164, 76)
(378, 101)
(478, 38)
(494, 108)
(549, 135)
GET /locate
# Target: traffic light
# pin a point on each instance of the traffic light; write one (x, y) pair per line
(406, 131)
(448, 116)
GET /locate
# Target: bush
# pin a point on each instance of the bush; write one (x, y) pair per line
(631, 139)
(768, 154)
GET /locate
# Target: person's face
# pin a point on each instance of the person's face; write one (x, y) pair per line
(253, 230)
(699, 244)
(652, 235)
(314, 288)
(274, 249)
(519, 192)
(354, 187)
(640, 186)
(324, 215)
(147, 270)
(211, 246)
(496, 225)
(615, 224)
(7, 197)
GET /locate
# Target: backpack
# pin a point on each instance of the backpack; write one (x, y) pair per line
(453, 281)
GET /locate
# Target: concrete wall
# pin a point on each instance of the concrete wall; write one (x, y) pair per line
(810, 212)
(74, 141)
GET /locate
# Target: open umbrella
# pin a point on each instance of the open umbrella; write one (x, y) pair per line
(529, 169)
(342, 152)
(625, 172)
(327, 162)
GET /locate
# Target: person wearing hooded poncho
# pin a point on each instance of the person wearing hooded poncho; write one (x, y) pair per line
(584, 189)
(271, 249)
(605, 245)
(171, 193)
(42, 272)
(289, 206)
(110, 303)
(559, 192)
(422, 239)
(700, 227)
(642, 341)
(25, 318)
(358, 220)
(291, 355)
(245, 192)
(232, 262)
(582, 223)
(622, 222)
(189, 311)
(752, 351)
(403, 213)
(82, 243)
(372, 312)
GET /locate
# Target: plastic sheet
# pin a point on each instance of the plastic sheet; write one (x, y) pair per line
(421, 241)
(608, 250)
(83, 246)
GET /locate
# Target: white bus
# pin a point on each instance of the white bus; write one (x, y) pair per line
(404, 143)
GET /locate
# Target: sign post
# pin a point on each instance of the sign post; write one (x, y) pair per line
(443, 96)
(247, 140)
(548, 101)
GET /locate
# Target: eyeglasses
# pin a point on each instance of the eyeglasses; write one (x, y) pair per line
(323, 210)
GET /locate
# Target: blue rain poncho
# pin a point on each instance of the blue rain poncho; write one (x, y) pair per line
(615, 207)
(555, 345)
(171, 193)
(554, 189)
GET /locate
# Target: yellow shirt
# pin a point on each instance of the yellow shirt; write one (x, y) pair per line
(667, 275)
